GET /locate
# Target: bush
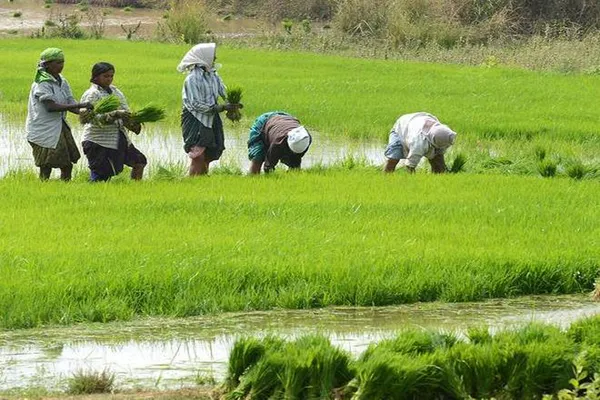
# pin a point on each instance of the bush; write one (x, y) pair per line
(362, 17)
(187, 21)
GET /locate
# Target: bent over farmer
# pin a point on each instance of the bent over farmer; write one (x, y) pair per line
(277, 136)
(47, 130)
(415, 136)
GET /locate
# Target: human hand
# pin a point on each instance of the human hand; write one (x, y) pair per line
(120, 114)
(227, 107)
(134, 126)
(86, 116)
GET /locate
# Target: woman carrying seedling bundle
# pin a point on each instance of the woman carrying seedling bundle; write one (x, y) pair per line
(415, 136)
(277, 136)
(201, 125)
(106, 143)
(47, 130)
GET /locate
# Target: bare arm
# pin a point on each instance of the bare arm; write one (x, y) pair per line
(53, 106)
(255, 167)
(438, 165)
(390, 165)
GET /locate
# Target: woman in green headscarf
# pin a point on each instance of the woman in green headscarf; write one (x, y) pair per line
(47, 130)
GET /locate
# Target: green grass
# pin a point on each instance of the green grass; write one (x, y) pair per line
(80, 252)
(333, 95)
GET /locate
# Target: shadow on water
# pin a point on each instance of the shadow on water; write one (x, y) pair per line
(168, 353)
(165, 148)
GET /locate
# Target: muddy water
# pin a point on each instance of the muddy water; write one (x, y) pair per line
(163, 353)
(34, 14)
(164, 148)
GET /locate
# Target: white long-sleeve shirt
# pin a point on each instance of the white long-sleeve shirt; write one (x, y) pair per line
(413, 130)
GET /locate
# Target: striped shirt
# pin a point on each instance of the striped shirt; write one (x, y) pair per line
(42, 126)
(105, 135)
(200, 93)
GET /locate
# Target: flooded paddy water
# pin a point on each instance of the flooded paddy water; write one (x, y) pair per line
(171, 353)
(164, 147)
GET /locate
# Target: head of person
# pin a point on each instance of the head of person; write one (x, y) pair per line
(201, 55)
(52, 60)
(298, 140)
(441, 136)
(103, 74)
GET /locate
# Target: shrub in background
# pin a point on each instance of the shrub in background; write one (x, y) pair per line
(187, 21)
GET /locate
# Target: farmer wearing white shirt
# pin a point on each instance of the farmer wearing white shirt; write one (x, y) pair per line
(47, 130)
(415, 136)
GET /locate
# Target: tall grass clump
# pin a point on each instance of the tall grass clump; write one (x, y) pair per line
(91, 382)
(187, 22)
(547, 168)
(576, 170)
(362, 17)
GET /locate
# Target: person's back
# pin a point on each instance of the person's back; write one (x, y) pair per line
(415, 136)
(277, 136)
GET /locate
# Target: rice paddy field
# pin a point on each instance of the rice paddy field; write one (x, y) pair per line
(343, 234)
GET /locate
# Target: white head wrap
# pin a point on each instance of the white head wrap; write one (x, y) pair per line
(441, 136)
(202, 54)
(298, 139)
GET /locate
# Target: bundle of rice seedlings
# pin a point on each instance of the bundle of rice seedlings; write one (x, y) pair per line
(106, 104)
(458, 165)
(149, 113)
(234, 96)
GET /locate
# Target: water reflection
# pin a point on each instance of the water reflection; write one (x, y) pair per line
(168, 354)
(166, 149)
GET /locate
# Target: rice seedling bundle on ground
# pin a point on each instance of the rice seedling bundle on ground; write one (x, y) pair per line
(234, 96)
(149, 113)
(523, 363)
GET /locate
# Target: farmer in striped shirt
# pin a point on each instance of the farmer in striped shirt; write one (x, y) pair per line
(415, 136)
(277, 136)
(201, 124)
(106, 143)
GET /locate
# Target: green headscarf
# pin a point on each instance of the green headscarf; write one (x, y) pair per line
(50, 54)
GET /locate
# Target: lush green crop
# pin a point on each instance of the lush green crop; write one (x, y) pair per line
(83, 252)
(334, 95)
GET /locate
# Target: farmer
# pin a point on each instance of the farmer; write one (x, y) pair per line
(277, 136)
(415, 136)
(47, 130)
(106, 143)
(201, 125)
